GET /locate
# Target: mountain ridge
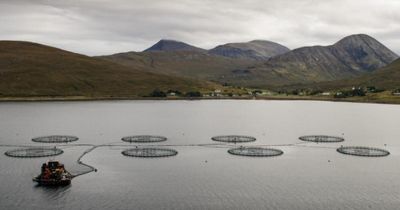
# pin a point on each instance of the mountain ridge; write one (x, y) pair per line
(348, 58)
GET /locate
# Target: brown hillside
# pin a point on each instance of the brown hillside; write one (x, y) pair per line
(189, 64)
(30, 69)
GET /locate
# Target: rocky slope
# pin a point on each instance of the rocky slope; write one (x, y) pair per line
(257, 49)
(348, 58)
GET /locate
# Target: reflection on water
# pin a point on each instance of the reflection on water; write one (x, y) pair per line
(203, 175)
(52, 192)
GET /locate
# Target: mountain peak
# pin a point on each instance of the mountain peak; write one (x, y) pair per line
(172, 45)
(366, 51)
(356, 39)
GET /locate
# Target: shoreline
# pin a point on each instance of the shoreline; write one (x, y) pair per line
(395, 100)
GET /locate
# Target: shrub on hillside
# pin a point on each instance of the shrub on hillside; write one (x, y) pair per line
(158, 93)
(193, 94)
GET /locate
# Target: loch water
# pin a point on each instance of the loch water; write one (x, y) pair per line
(306, 176)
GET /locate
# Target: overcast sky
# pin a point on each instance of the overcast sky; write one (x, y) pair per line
(98, 27)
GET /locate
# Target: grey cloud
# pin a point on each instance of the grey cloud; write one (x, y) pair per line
(97, 27)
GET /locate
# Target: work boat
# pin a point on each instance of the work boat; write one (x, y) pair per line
(53, 174)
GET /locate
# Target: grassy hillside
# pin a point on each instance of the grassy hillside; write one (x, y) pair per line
(190, 64)
(387, 78)
(29, 69)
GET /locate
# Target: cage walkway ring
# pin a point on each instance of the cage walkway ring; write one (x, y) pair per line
(144, 139)
(34, 152)
(321, 138)
(55, 139)
(255, 151)
(363, 151)
(233, 139)
(149, 152)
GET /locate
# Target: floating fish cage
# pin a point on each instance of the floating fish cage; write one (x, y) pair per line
(55, 139)
(363, 151)
(322, 138)
(144, 139)
(150, 152)
(34, 152)
(233, 139)
(255, 151)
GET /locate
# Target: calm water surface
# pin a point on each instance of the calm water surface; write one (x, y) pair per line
(307, 176)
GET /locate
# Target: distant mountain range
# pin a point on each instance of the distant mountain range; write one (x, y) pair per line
(348, 58)
(274, 65)
(180, 59)
(257, 49)
(30, 69)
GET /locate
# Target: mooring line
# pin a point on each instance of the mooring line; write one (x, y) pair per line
(79, 161)
(315, 146)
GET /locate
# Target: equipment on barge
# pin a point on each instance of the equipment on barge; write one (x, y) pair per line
(53, 173)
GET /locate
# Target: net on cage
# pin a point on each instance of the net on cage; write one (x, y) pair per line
(55, 139)
(150, 152)
(321, 138)
(255, 151)
(144, 139)
(34, 152)
(363, 151)
(234, 139)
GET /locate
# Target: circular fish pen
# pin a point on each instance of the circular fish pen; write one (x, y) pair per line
(233, 139)
(34, 152)
(321, 139)
(144, 139)
(55, 139)
(255, 151)
(149, 152)
(363, 151)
